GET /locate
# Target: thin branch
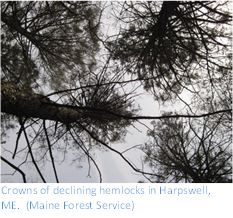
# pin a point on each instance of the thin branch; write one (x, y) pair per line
(16, 168)
(17, 140)
(31, 154)
(89, 156)
(112, 149)
(50, 151)
(135, 146)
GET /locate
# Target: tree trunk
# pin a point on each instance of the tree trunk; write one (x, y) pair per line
(25, 103)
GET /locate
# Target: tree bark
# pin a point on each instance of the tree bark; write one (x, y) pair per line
(25, 103)
(159, 30)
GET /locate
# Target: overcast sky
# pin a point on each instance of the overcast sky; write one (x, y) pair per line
(112, 167)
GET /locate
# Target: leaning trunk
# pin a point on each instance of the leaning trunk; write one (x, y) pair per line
(25, 103)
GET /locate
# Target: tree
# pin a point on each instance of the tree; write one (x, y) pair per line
(55, 37)
(52, 45)
(190, 150)
(178, 49)
(172, 45)
(65, 86)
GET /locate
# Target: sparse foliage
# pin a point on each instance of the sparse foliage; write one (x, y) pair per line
(68, 88)
(187, 150)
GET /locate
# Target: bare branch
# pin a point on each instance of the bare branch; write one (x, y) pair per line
(16, 168)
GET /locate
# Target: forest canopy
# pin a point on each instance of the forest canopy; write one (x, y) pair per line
(73, 75)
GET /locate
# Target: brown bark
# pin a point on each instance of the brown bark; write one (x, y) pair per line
(25, 103)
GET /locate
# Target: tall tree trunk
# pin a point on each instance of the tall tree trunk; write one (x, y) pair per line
(25, 103)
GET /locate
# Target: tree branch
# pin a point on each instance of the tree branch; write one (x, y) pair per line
(50, 151)
(16, 168)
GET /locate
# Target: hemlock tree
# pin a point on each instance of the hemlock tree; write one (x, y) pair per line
(65, 86)
(181, 51)
(190, 150)
(49, 72)
(56, 38)
(170, 46)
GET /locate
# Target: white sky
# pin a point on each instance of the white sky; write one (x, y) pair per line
(112, 167)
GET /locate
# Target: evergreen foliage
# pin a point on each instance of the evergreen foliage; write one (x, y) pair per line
(68, 88)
